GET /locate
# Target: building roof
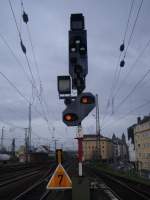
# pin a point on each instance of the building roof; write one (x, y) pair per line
(94, 136)
(144, 120)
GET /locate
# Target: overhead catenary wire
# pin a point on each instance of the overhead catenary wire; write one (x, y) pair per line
(23, 46)
(127, 114)
(17, 60)
(130, 93)
(117, 73)
(12, 85)
(20, 93)
(15, 57)
(128, 20)
(129, 41)
(28, 63)
(132, 67)
(132, 90)
(133, 28)
(41, 89)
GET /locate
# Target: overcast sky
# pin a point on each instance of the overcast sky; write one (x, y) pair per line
(105, 21)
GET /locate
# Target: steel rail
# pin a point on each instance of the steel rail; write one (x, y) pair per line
(104, 176)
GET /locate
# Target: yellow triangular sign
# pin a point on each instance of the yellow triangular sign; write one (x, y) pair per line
(59, 180)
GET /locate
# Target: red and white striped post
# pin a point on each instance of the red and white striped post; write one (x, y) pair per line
(80, 149)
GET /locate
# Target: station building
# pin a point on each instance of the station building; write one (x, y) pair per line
(93, 148)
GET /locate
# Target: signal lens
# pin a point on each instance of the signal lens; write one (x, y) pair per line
(87, 100)
(70, 117)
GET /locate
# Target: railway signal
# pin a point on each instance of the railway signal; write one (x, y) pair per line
(78, 65)
(79, 109)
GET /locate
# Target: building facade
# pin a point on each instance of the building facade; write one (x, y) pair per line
(120, 148)
(93, 149)
(142, 143)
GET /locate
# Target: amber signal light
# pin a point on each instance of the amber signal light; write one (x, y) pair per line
(87, 100)
(70, 117)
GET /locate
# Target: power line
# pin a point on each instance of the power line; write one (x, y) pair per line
(133, 89)
(28, 63)
(12, 84)
(20, 93)
(127, 114)
(132, 66)
(26, 20)
(128, 21)
(19, 63)
(117, 73)
(14, 18)
(14, 55)
(132, 32)
(131, 92)
(23, 46)
(129, 42)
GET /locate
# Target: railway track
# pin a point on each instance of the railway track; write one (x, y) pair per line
(15, 174)
(17, 183)
(38, 190)
(123, 189)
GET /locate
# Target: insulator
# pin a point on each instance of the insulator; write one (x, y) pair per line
(122, 63)
(23, 47)
(25, 17)
(122, 46)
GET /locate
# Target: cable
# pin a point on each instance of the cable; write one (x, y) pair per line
(28, 63)
(131, 92)
(10, 124)
(23, 46)
(128, 21)
(117, 74)
(130, 38)
(14, 18)
(19, 63)
(26, 20)
(132, 32)
(15, 57)
(17, 90)
(133, 89)
(133, 66)
(20, 93)
(127, 114)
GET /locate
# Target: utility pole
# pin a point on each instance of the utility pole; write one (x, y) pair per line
(55, 143)
(13, 147)
(29, 129)
(98, 149)
(26, 143)
(2, 138)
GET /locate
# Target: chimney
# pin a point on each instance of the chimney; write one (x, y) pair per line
(138, 120)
